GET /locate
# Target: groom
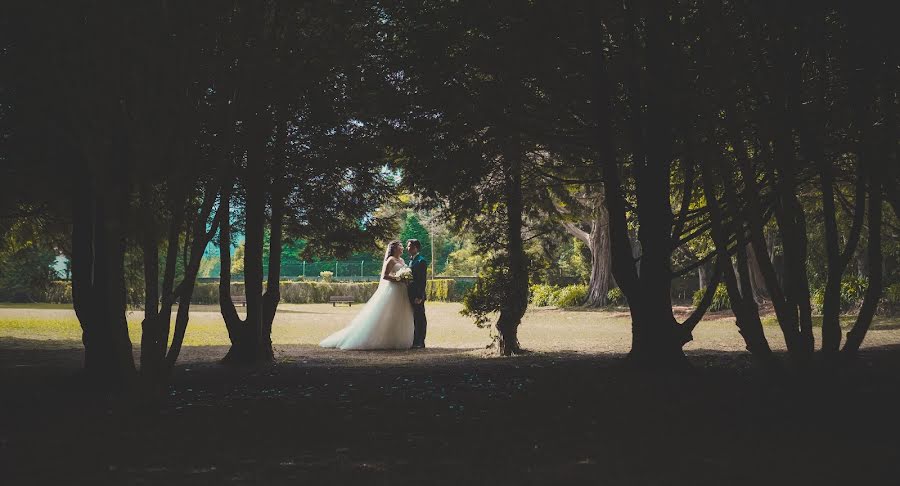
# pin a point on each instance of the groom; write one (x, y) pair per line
(416, 291)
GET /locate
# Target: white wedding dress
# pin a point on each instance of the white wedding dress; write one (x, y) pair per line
(385, 322)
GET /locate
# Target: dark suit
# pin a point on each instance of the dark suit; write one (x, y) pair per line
(416, 290)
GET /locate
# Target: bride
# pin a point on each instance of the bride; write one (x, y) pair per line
(386, 321)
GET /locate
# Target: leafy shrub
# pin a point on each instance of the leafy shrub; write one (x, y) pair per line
(817, 300)
(552, 295)
(890, 301)
(489, 293)
(720, 299)
(853, 288)
(25, 274)
(615, 297)
(570, 296)
(541, 295)
(326, 276)
(892, 295)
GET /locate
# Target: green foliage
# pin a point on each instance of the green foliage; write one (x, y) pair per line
(210, 267)
(488, 295)
(237, 260)
(540, 295)
(720, 300)
(892, 294)
(461, 288)
(571, 296)
(25, 273)
(817, 300)
(551, 295)
(853, 288)
(576, 260)
(413, 229)
(616, 297)
(890, 303)
(467, 260)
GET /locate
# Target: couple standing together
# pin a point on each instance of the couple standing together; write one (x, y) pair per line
(394, 318)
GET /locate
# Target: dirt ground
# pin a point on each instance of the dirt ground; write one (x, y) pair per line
(569, 412)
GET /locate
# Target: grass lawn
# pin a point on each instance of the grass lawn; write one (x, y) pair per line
(542, 330)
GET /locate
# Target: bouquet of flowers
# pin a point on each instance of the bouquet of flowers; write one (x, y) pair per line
(404, 275)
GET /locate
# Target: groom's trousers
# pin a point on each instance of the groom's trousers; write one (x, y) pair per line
(421, 324)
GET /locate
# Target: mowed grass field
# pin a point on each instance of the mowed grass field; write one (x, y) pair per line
(299, 328)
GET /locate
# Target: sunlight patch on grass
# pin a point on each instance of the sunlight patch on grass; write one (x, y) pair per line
(847, 322)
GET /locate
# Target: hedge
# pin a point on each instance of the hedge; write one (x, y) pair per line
(442, 290)
(294, 292)
(59, 292)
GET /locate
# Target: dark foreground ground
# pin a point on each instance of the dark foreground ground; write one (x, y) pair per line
(540, 419)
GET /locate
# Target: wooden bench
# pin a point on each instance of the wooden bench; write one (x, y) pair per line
(341, 299)
(239, 300)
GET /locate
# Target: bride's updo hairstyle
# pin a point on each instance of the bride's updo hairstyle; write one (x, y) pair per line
(392, 246)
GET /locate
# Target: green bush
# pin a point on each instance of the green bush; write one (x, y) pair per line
(890, 301)
(892, 295)
(817, 300)
(541, 295)
(25, 274)
(570, 296)
(853, 288)
(615, 297)
(720, 300)
(489, 295)
(551, 295)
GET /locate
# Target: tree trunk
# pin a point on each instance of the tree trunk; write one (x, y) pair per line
(743, 304)
(597, 241)
(655, 334)
(873, 292)
(598, 287)
(200, 238)
(98, 282)
(516, 301)
(838, 260)
(754, 273)
(230, 315)
(155, 328)
(246, 335)
(703, 275)
(273, 288)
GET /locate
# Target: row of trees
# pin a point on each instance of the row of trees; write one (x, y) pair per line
(164, 127)
(739, 123)
(666, 137)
